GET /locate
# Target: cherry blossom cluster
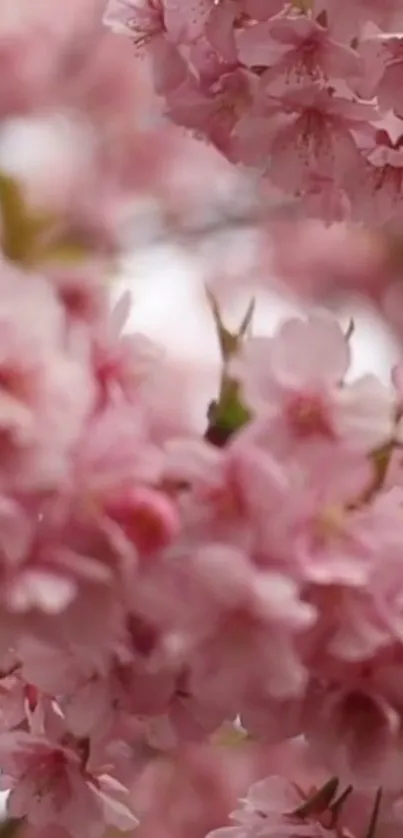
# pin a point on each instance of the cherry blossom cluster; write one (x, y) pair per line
(307, 92)
(162, 591)
(195, 616)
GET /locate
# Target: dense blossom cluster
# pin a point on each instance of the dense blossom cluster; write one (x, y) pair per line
(307, 91)
(189, 618)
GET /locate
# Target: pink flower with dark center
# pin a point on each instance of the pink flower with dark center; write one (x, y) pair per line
(306, 415)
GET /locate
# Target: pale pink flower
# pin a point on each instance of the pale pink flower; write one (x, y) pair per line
(122, 361)
(295, 382)
(140, 19)
(318, 519)
(12, 702)
(233, 607)
(144, 19)
(118, 700)
(297, 798)
(214, 109)
(115, 497)
(194, 791)
(53, 670)
(148, 518)
(50, 786)
(316, 138)
(356, 732)
(220, 29)
(379, 54)
(144, 22)
(375, 188)
(348, 22)
(380, 533)
(115, 453)
(186, 23)
(296, 51)
(360, 614)
(46, 390)
(232, 492)
(227, 19)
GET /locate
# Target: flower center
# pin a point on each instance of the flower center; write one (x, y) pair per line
(331, 522)
(307, 416)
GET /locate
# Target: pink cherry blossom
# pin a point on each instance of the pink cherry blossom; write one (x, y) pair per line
(233, 603)
(148, 518)
(317, 140)
(247, 51)
(295, 380)
(145, 23)
(51, 787)
(352, 19)
(299, 799)
(196, 790)
(140, 19)
(376, 183)
(296, 51)
(187, 23)
(226, 490)
(47, 392)
(122, 362)
(218, 108)
(358, 733)
(13, 697)
(391, 78)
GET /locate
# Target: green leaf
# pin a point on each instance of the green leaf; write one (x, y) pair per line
(228, 415)
(230, 412)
